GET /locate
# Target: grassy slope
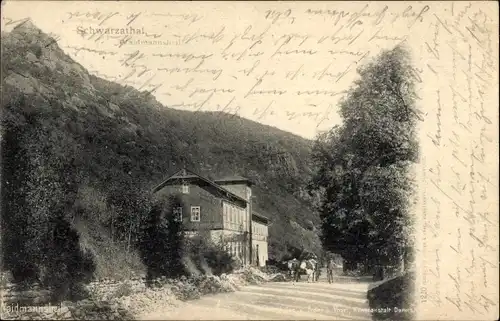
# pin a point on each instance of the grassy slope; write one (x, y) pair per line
(127, 137)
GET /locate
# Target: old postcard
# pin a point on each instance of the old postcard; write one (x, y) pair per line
(249, 160)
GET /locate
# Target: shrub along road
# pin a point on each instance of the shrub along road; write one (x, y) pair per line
(345, 299)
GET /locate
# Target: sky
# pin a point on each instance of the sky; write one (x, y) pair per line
(282, 65)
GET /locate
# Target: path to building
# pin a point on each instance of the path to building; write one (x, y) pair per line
(343, 300)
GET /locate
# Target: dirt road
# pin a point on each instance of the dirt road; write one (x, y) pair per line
(343, 300)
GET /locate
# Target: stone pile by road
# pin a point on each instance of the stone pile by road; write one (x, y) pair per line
(122, 300)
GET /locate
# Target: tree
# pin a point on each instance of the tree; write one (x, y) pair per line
(42, 179)
(175, 237)
(362, 166)
(15, 253)
(129, 204)
(162, 239)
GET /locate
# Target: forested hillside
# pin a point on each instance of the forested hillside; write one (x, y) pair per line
(88, 148)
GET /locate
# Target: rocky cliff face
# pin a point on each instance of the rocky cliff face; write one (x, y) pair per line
(36, 66)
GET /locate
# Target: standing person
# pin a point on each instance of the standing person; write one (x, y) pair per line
(293, 268)
(329, 270)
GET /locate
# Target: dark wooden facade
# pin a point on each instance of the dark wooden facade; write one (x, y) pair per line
(210, 207)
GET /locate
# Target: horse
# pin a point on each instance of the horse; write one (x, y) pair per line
(329, 270)
(309, 267)
(293, 268)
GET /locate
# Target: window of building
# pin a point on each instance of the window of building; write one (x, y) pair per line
(195, 214)
(178, 214)
(185, 188)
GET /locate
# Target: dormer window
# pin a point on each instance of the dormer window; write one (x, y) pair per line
(185, 189)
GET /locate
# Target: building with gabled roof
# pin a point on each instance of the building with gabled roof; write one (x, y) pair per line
(222, 210)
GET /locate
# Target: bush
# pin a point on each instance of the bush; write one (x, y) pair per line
(65, 263)
(207, 257)
(219, 260)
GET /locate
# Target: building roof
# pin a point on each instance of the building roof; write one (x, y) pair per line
(260, 217)
(234, 179)
(189, 175)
